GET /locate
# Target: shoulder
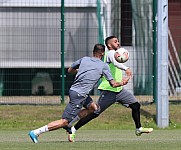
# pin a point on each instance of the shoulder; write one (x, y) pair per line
(85, 58)
(105, 65)
(110, 56)
(110, 53)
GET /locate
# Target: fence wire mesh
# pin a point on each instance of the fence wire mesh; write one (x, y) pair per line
(30, 45)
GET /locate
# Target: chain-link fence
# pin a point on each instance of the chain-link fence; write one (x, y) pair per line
(30, 45)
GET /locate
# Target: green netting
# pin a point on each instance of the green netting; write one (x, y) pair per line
(143, 45)
(30, 43)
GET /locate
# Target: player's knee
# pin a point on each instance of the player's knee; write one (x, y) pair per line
(93, 107)
(97, 112)
(64, 122)
(135, 106)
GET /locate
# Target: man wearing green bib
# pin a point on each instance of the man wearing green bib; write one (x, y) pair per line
(110, 95)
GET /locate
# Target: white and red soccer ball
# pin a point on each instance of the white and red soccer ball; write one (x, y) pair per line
(121, 55)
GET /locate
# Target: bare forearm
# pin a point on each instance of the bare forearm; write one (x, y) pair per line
(117, 84)
(114, 83)
(71, 70)
(124, 81)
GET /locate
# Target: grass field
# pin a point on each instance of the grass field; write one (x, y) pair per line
(93, 140)
(114, 129)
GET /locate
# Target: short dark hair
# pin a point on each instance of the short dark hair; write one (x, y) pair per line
(109, 38)
(99, 48)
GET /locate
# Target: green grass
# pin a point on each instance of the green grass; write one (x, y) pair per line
(28, 117)
(25, 117)
(114, 129)
(93, 139)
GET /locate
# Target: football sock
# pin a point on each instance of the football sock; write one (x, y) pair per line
(85, 120)
(73, 129)
(136, 114)
(73, 121)
(41, 130)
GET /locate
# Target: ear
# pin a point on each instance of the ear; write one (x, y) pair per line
(109, 45)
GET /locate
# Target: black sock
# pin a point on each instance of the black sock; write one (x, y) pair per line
(85, 120)
(136, 114)
(68, 129)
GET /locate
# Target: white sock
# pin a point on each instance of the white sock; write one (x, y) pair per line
(73, 121)
(41, 130)
(139, 128)
(73, 129)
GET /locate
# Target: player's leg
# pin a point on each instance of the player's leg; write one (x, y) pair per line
(136, 117)
(136, 114)
(89, 106)
(71, 110)
(49, 127)
(106, 99)
(84, 112)
(128, 100)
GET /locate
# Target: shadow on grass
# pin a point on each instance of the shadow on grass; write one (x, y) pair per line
(148, 115)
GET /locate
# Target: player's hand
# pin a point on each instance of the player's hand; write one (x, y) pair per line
(125, 80)
(72, 70)
(129, 73)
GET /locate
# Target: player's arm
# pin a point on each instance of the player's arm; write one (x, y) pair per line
(111, 59)
(129, 72)
(74, 67)
(72, 70)
(114, 83)
(109, 78)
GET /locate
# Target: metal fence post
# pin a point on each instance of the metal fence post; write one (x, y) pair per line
(62, 52)
(162, 62)
(154, 19)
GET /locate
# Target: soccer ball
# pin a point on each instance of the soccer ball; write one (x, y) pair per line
(121, 55)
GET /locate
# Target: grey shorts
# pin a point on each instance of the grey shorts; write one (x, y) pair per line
(107, 98)
(75, 105)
